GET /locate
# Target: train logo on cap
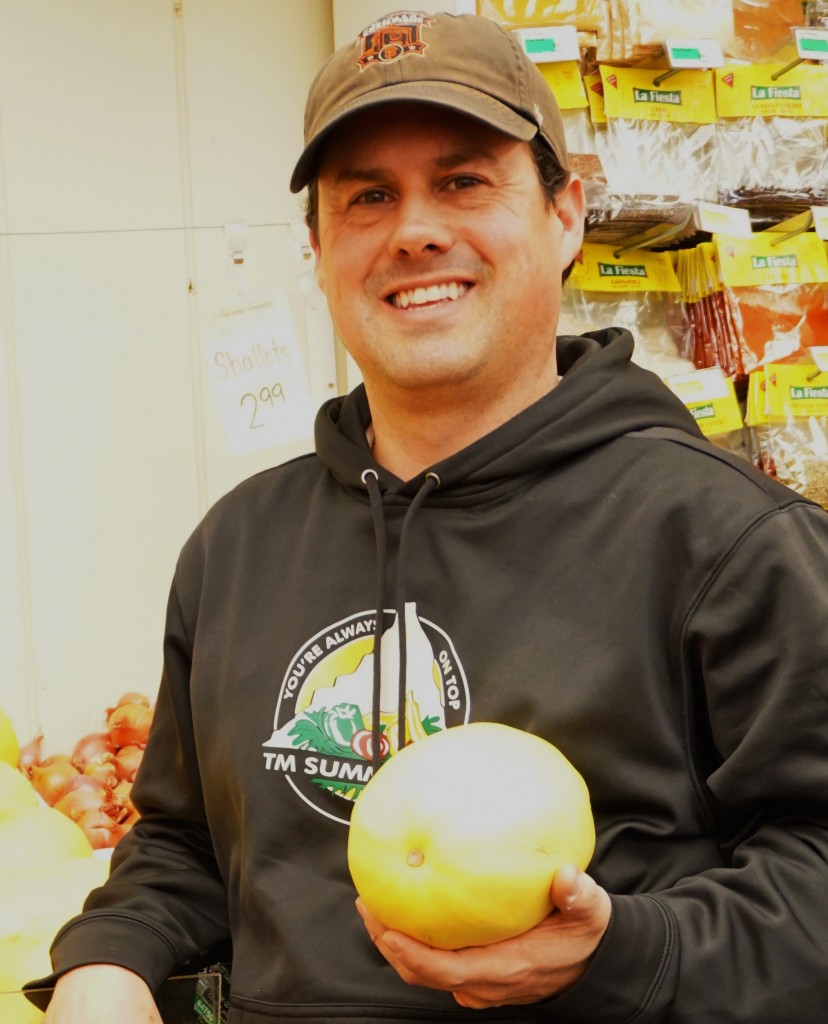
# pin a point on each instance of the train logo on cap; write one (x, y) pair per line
(398, 35)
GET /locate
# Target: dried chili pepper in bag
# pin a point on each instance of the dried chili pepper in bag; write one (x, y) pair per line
(777, 290)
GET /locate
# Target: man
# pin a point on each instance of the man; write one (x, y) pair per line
(498, 526)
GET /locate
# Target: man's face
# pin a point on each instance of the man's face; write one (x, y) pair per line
(439, 256)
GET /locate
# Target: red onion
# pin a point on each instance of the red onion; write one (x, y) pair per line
(51, 780)
(30, 754)
(129, 698)
(129, 725)
(127, 761)
(77, 802)
(83, 781)
(100, 829)
(102, 769)
(55, 759)
(122, 797)
(90, 746)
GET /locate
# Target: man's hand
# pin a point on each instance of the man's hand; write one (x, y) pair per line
(101, 994)
(541, 963)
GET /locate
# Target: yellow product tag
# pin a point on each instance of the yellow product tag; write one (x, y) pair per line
(687, 97)
(595, 97)
(764, 259)
(564, 79)
(711, 398)
(797, 390)
(710, 262)
(749, 90)
(637, 270)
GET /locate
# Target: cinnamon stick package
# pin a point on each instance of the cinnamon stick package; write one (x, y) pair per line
(773, 133)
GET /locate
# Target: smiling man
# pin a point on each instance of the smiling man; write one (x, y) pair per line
(499, 525)
(442, 262)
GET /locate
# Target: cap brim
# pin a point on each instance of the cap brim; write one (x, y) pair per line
(451, 95)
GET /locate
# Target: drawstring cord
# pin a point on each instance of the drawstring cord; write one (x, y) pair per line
(429, 484)
(371, 481)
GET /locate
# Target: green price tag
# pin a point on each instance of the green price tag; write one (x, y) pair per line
(540, 46)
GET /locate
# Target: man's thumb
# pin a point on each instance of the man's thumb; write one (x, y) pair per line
(570, 890)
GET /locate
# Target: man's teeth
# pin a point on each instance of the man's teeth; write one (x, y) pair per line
(433, 293)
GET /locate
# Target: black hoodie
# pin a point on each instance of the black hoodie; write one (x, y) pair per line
(592, 571)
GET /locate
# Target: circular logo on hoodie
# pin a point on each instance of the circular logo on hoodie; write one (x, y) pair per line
(323, 731)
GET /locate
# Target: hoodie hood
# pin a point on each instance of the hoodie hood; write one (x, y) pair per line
(602, 395)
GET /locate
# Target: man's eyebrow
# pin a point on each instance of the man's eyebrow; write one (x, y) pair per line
(357, 174)
(348, 175)
(464, 156)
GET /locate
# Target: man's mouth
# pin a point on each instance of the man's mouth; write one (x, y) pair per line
(446, 290)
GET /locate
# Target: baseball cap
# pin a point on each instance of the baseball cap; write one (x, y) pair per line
(465, 62)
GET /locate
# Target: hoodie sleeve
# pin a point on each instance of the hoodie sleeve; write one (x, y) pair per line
(164, 901)
(745, 942)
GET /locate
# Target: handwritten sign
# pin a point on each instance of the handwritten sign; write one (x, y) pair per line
(258, 374)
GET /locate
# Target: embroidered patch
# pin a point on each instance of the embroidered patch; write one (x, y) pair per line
(398, 35)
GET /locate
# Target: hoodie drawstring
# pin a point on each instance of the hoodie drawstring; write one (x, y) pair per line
(371, 481)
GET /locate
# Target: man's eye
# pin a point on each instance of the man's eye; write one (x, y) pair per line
(463, 181)
(370, 197)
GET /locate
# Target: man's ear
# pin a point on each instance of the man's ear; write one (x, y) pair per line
(570, 207)
(314, 243)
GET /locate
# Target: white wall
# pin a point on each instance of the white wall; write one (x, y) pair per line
(131, 134)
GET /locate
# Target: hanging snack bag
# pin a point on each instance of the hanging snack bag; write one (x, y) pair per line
(653, 21)
(777, 290)
(714, 333)
(637, 289)
(661, 138)
(791, 426)
(773, 133)
(585, 15)
(761, 26)
(711, 398)
(564, 79)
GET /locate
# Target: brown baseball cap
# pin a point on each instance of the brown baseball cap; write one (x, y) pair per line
(465, 62)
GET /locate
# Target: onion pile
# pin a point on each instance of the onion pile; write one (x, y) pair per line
(92, 784)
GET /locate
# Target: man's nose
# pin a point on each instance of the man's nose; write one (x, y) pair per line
(420, 225)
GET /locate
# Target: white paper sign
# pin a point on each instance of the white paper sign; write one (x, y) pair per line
(258, 374)
(723, 220)
(694, 53)
(820, 215)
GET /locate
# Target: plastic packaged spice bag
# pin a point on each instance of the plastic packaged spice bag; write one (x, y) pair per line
(565, 81)
(777, 290)
(788, 420)
(711, 398)
(773, 133)
(637, 289)
(714, 333)
(760, 26)
(653, 21)
(661, 139)
(816, 13)
(585, 15)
